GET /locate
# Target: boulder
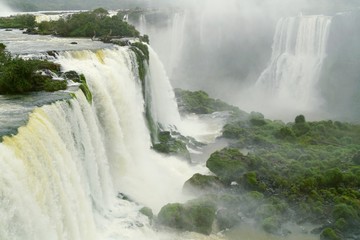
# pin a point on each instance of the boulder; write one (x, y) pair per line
(228, 164)
(193, 216)
(199, 184)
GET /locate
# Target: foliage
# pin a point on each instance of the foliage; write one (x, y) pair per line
(329, 234)
(18, 21)
(19, 76)
(142, 57)
(312, 166)
(199, 102)
(195, 216)
(85, 89)
(89, 24)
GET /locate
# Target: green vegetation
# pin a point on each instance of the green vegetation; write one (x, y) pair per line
(147, 212)
(199, 102)
(85, 88)
(37, 5)
(200, 184)
(300, 171)
(18, 21)
(195, 216)
(310, 166)
(171, 145)
(89, 24)
(142, 57)
(19, 76)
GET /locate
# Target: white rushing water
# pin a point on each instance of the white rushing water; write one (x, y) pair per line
(163, 103)
(167, 37)
(62, 173)
(289, 83)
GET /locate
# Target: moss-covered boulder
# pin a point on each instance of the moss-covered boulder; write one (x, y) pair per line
(171, 145)
(228, 164)
(85, 88)
(71, 75)
(199, 184)
(329, 234)
(199, 102)
(147, 212)
(271, 224)
(194, 216)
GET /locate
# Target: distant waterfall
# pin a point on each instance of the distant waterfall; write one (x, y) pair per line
(61, 174)
(166, 35)
(142, 24)
(299, 49)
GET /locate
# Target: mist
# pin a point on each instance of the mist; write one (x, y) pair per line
(5, 10)
(223, 47)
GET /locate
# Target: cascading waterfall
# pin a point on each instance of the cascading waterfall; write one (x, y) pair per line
(142, 24)
(163, 104)
(168, 40)
(177, 39)
(62, 172)
(299, 49)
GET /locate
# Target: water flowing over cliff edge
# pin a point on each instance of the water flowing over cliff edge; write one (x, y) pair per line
(65, 173)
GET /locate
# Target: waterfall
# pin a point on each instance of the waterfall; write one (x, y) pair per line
(299, 49)
(167, 37)
(142, 24)
(63, 171)
(163, 103)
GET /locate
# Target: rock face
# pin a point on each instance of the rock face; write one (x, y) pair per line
(194, 216)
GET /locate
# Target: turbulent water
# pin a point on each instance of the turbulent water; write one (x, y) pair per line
(65, 173)
(69, 172)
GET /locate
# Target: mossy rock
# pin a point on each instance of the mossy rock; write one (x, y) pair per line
(228, 164)
(194, 216)
(85, 89)
(199, 184)
(199, 102)
(329, 234)
(171, 145)
(71, 75)
(147, 212)
(271, 224)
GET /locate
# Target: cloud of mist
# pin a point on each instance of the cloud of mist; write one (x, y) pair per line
(226, 45)
(5, 10)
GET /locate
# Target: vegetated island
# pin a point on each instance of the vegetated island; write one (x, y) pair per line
(273, 173)
(19, 76)
(96, 24)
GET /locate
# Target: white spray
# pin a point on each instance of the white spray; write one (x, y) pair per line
(289, 83)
